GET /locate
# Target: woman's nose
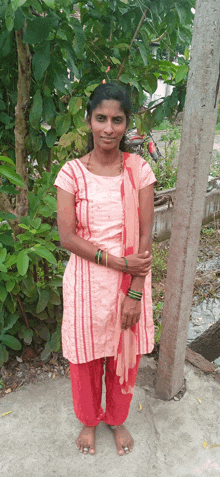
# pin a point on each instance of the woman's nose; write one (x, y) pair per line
(108, 126)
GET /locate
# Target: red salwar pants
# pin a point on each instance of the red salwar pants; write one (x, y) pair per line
(86, 382)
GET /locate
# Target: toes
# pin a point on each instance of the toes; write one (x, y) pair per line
(92, 450)
(120, 450)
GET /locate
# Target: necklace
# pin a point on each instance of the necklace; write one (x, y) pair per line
(121, 165)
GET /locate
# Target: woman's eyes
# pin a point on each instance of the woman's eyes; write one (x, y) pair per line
(102, 118)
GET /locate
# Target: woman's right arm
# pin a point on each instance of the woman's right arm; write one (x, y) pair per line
(66, 220)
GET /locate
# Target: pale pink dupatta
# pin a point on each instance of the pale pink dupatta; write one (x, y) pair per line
(125, 340)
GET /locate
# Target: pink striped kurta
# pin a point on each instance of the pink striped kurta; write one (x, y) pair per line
(90, 292)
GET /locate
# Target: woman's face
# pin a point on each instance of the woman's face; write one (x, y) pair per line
(108, 124)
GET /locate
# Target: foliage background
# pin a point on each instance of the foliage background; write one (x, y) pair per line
(53, 54)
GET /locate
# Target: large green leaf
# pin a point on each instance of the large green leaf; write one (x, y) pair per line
(3, 354)
(22, 262)
(125, 78)
(50, 3)
(150, 83)
(55, 341)
(41, 61)
(10, 320)
(11, 342)
(143, 53)
(7, 239)
(46, 352)
(75, 104)
(36, 110)
(7, 216)
(8, 189)
(9, 18)
(13, 177)
(7, 159)
(54, 297)
(51, 137)
(17, 3)
(3, 293)
(79, 37)
(63, 122)
(38, 30)
(3, 253)
(70, 61)
(49, 110)
(181, 73)
(44, 253)
(43, 300)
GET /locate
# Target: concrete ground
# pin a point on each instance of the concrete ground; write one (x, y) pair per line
(37, 439)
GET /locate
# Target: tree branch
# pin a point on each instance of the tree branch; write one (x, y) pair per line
(23, 312)
(132, 41)
(21, 120)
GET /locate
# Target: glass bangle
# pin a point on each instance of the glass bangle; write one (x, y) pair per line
(97, 255)
(100, 258)
(135, 292)
(134, 297)
(126, 263)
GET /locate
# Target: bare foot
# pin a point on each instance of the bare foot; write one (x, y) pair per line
(123, 439)
(86, 439)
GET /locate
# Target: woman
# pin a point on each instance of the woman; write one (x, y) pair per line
(105, 218)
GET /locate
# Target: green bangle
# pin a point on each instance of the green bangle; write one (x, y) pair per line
(135, 292)
(97, 255)
(133, 296)
(126, 263)
(100, 257)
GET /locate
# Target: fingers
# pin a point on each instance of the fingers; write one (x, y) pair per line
(129, 321)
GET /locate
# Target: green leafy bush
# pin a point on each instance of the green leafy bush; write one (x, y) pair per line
(31, 271)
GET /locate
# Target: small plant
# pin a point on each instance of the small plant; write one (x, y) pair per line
(164, 170)
(158, 333)
(215, 164)
(159, 262)
(157, 310)
(208, 232)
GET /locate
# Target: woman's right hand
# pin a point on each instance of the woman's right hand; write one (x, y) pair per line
(139, 264)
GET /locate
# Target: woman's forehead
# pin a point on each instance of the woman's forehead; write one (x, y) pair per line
(110, 106)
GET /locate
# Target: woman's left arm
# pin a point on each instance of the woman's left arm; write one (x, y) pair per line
(146, 204)
(131, 309)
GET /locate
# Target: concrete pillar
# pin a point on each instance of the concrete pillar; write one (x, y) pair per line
(200, 115)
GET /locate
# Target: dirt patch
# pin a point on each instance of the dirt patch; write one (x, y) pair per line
(15, 374)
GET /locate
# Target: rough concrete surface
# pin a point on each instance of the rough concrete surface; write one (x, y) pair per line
(38, 438)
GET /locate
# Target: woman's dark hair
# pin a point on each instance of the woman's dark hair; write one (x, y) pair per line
(108, 91)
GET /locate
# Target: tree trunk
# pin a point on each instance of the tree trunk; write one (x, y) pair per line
(21, 120)
(208, 343)
(198, 129)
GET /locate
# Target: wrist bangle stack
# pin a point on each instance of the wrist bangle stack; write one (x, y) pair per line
(134, 294)
(98, 257)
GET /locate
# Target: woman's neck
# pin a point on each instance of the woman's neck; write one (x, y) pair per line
(106, 158)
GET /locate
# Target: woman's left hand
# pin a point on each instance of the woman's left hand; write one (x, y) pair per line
(130, 312)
